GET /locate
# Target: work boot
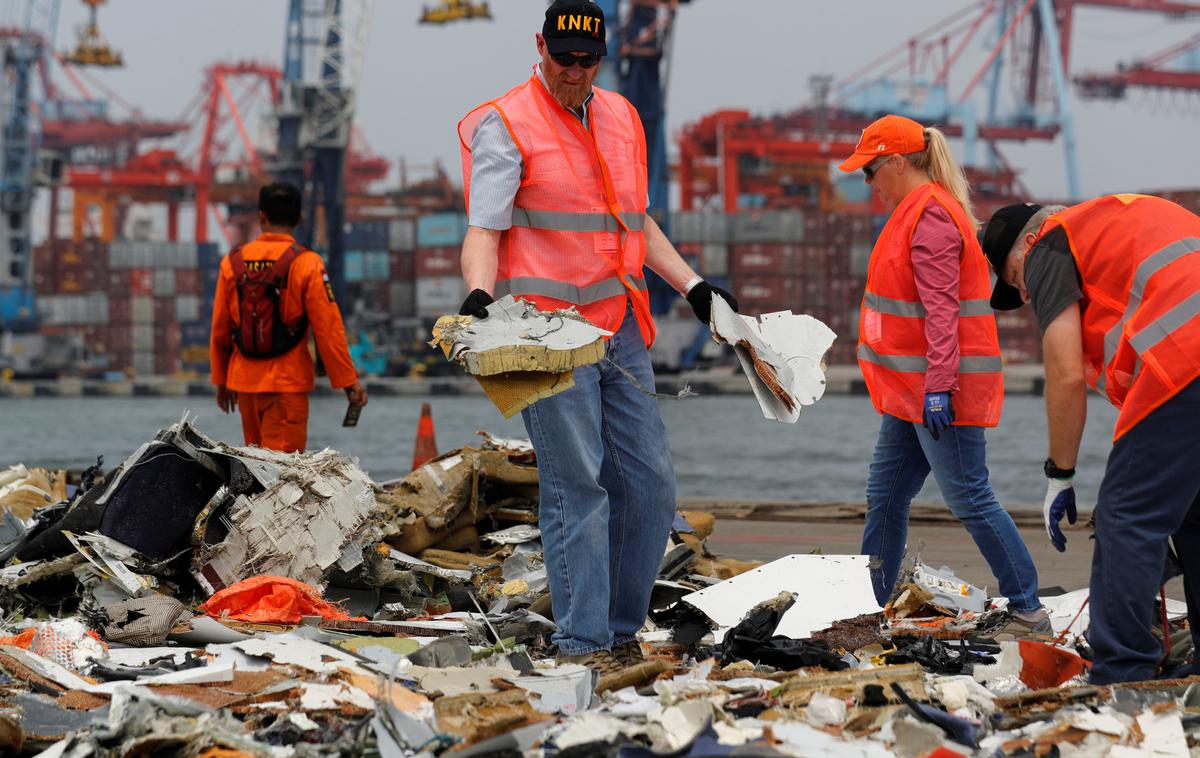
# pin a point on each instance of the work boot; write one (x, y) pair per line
(629, 653)
(1034, 625)
(601, 661)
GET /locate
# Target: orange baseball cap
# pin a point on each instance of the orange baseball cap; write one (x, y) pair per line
(890, 134)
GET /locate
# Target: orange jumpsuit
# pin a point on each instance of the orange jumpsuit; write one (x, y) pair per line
(273, 392)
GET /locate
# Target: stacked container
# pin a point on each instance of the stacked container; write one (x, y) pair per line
(439, 285)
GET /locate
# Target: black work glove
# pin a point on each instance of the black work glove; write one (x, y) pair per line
(476, 304)
(700, 298)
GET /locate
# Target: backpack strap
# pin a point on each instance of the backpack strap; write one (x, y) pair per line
(279, 269)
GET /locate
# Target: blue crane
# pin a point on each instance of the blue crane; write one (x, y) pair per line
(316, 113)
(19, 142)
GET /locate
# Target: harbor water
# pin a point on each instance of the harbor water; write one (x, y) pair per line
(722, 446)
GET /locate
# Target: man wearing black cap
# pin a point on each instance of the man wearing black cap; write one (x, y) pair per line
(555, 176)
(1115, 285)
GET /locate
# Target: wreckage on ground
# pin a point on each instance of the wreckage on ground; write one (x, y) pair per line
(204, 599)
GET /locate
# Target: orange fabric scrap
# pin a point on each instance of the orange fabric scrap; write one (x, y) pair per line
(22, 640)
(270, 600)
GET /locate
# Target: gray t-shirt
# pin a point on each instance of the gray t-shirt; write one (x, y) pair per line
(1051, 277)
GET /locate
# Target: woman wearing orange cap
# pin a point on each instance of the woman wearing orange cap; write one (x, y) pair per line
(931, 359)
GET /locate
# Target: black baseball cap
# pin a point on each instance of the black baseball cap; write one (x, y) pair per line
(575, 26)
(997, 239)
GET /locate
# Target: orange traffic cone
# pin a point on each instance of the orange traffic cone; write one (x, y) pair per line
(426, 448)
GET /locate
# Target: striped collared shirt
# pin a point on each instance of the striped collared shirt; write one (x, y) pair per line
(496, 168)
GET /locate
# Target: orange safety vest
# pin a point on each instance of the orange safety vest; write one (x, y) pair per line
(576, 237)
(891, 326)
(1139, 260)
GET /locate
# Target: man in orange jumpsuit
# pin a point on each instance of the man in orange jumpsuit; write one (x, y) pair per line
(272, 392)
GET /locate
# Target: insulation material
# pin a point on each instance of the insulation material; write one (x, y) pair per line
(317, 511)
(782, 355)
(516, 336)
(145, 620)
(441, 496)
(24, 490)
(518, 354)
(291, 650)
(833, 587)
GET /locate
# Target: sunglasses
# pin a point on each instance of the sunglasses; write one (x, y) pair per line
(869, 170)
(584, 60)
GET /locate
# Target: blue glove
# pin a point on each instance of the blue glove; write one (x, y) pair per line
(938, 413)
(1060, 501)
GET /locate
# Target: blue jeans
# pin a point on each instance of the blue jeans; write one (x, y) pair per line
(904, 455)
(607, 496)
(1150, 493)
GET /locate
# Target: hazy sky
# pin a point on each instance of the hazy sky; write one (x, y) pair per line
(753, 54)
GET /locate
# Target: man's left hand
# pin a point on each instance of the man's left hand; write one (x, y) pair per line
(700, 298)
(939, 413)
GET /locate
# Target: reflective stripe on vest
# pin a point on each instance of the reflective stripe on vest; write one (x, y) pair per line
(569, 293)
(893, 307)
(1160, 328)
(563, 221)
(1146, 269)
(916, 364)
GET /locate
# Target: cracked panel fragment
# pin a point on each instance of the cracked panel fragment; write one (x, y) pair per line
(782, 355)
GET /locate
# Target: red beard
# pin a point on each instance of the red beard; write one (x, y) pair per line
(570, 95)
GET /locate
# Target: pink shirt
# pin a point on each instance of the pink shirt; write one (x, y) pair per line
(937, 249)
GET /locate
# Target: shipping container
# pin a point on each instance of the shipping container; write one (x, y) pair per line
(119, 338)
(141, 281)
(167, 363)
(187, 308)
(194, 333)
(402, 299)
(715, 257)
(164, 282)
(860, 257)
(126, 254)
(366, 234)
(767, 226)
(439, 295)
(119, 309)
(187, 281)
(194, 358)
(376, 266)
(164, 310)
(699, 226)
(402, 234)
(167, 338)
(441, 229)
(143, 363)
(142, 338)
(439, 261)
(402, 264)
(141, 310)
(352, 265)
(768, 289)
(208, 256)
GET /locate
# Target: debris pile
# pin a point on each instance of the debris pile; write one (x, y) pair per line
(202, 599)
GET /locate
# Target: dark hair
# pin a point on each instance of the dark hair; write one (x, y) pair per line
(281, 202)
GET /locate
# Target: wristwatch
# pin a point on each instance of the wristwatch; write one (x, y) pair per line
(1054, 472)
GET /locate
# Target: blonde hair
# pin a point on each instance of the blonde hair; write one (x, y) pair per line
(937, 161)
